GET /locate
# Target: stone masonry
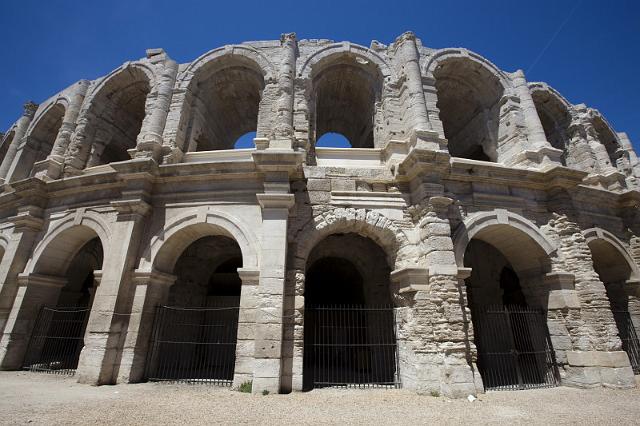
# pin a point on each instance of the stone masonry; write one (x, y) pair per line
(456, 170)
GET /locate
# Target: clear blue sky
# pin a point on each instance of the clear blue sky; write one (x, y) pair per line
(594, 58)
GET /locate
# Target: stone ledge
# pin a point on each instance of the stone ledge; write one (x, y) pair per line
(598, 359)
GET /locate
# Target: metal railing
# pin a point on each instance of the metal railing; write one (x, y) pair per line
(514, 348)
(56, 340)
(194, 345)
(629, 337)
(352, 346)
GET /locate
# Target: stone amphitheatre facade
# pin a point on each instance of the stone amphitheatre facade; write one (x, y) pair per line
(469, 199)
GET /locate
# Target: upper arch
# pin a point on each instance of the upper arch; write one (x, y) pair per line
(325, 56)
(444, 55)
(166, 248)
(135, 69)
(594, 234)
(478, 224)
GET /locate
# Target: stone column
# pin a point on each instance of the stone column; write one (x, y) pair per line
(269, 326)
(80, 146)
(21, 130)
(245, 343)
(421, 128)
(113, 297)
(158, 101)
(535, 131)
(56, 159)
(151, 289)
(596, 357)
(34, 292)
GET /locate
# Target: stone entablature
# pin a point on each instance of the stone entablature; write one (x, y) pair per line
(446, 150)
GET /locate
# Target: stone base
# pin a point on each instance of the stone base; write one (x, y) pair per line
(595, 369)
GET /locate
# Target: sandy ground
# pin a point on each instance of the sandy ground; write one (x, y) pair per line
(48, 399)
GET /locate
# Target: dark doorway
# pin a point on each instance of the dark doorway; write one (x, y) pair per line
(349, 337)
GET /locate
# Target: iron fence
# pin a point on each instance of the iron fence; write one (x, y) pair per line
(629, 338)
(353, 346)
(514, 348)
(56, 340)
(195, 345)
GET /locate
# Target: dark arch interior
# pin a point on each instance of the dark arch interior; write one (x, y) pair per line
(349, 336)
(468, 100)
(513, 342)
(555, 121)
(120, 110)
(58, 333)
(345, 102)
(195, 335)
(225, 107)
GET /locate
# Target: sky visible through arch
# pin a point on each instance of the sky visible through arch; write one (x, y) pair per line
(587, 50)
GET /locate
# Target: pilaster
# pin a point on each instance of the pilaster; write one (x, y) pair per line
(17, 142)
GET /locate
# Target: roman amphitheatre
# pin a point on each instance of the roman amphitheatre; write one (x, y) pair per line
(479, 233)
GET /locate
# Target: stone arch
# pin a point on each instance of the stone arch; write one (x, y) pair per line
(41, 136)
(492, 227)
(607, 137)
(470, 91)
(366, 223)
(166, 248)
(598, 234)
(59, 245)
(555, 115)
(114, 112)
(224, 98)
(321, 58)
(345, 84)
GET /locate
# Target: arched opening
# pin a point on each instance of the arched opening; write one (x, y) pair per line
(6, 141)
(119, 110)
(345, 96)
(555, 121)
(41, 140)
(507, 297)
(349, 326)
(65, 303)
(245, 141)
(609, 140)
(614, 271)
(333, 140)
(194, 338)
(225, 106)
(469, 103)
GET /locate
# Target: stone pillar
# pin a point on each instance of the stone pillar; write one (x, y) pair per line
(269, 326)
(109, 314)
(80, 146)
(21, 130)
(151, 289)
(423, 134)
(245, 343)
(596, 357)
(34, 292)
(157, 107)
(100, 141)
(55, 162)
(535, 131)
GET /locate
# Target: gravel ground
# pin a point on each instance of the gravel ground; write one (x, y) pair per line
(48, 399)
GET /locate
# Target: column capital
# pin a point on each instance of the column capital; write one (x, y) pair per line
(249, 276)
(276, 201)
(30, 109)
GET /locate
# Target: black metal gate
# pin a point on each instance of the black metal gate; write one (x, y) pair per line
(514, 348)
(56, 340)
(193, 345)
(629, 337)
(352, 346)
